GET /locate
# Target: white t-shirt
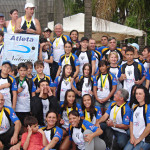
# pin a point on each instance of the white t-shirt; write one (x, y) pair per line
(45, 103)
(86, 87)
(46, 65)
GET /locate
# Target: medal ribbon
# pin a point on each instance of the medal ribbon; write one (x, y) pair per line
(86, 116)
(115, 112)
(67, 79)
(66, 62)
(68, 110)
(39, 78)
(28, 23)
(13, 27)
(21, 82)
(103, 82)
(1, 116)
(57, 41)
(1, 46)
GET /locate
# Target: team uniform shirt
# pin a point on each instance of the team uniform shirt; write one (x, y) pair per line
(138, 120)
(101, 48)
(23, 98)
(98, 57)
(76, 133)
(123, 115)
(65, 111)
(138, 60)
(63, 61)
(110, 81)
(10, 28)
(58, 46)
(147, 74)
(83, 58)
(46, 65)
(133, 72)
(7, 92)
(121, 62)
(46, 77)
(8, 116)
(65, 85)
(1, 53)
(146, 65)
(4, 29)
(97, 115)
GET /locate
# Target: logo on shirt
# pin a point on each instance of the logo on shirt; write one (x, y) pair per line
(129, 72)
(82, 57)
(58, 134)
(137, 114)
(14, 115)
(127, 119)
(92, 127)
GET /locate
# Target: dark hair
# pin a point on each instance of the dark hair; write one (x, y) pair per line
(92, 108)
(38, 62)
(66, 102)
(104, 36)
(43, 40)
(124, 45)
(41, 81)
(11, 12)
(14, 68)
(146, 94)
(1, 33)
(52, 111)
(148, 48)
(103, 63)
(68, 42)
(74, 31)
(30, 120)
(22, 65)
(74, 113)
(90, 71)
(129, 49)
(112, 38)
(29, 63)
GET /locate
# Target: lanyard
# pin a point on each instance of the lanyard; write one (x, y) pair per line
(13, 27)
(28, 23)
(103, 82)
(86, 116)
(1, 116)
(66, 62)
(68, 110)
(57, 41)
(115, 112)
(39, 78)
(21, 82)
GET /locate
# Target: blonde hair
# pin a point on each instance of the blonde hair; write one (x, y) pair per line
(111, 53)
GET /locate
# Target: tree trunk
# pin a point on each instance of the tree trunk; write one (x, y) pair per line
(88, 18)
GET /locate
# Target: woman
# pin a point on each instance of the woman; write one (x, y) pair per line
(140, 121)
(84, 134)
(91, 113)
(68, 58)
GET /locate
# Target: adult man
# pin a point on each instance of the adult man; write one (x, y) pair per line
(97, 54)
(42, 103)
(8, 133)
(28, 24)
(2, 22)
(58, 47)
(112, 46)
(104, 43)
(117, 119)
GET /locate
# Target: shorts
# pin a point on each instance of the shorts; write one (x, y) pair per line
(103, 105)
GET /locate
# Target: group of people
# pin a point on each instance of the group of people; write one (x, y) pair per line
(82, 97)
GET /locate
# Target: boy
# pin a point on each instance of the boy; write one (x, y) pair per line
(13, 71)
(29, 65)
(131, 72)
(8, 85)
(39, 67)
(26, 90)
(1, 46)
(45, 55)
(35, 138)
(145, 54)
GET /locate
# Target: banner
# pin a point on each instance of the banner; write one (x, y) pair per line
(20, 48)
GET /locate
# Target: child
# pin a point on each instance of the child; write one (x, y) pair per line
(8, 85)
(26, 89)
(1, 46)
(39, 67)
(29, 65)
(105, 86)
(145, 54)
(45, 55)
(34, 138)
(131, 72)
(13, 71)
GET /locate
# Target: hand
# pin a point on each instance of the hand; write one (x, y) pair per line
(49, 91)
(41, 131)
(71, 80)
(6, 85)
(137, 141)
(42, 44)
(110, 123)
(14, 140)
(20, 90)
(90, 92)
(41, 91)
(97, 125)
(61, 121)
(16, 147)
(88, 138)
(1, 145)
(138, 82)
(46, 148)
(29, 130)
(132, 139)
(38, 90)
(79, 93)
(20, 30)
(101, 100)
(123, 77)
(30, 31)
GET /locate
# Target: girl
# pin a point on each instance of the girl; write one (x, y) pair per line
(68, 105)
(104, 87)
(68, 58)
(91, 113)
(64, 82)
(140, 121)
(84, 134)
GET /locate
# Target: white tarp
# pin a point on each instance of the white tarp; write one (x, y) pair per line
(99, 27)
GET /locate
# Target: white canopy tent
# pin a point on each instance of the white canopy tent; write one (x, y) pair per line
(100, 27)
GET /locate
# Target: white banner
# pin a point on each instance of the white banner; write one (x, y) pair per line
(20, 48)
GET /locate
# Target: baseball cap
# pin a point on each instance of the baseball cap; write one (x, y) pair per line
(28, 5)
(7, 62)
(1, 15)
(84, 38)
(47, 29)
(135, 45)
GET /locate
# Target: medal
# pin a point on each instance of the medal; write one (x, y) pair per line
(28, 23)
(103, 82)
